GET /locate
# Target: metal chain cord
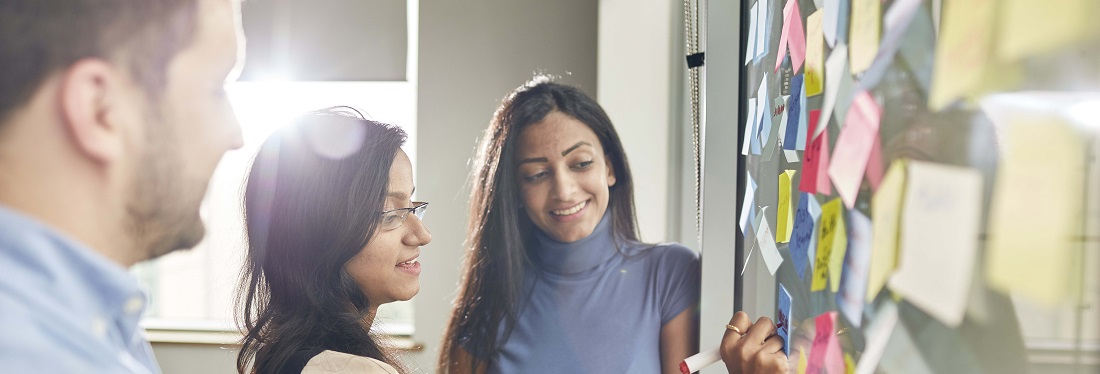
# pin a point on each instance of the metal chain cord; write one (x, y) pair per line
(691, 33)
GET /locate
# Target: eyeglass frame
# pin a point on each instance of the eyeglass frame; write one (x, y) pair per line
(418, 209)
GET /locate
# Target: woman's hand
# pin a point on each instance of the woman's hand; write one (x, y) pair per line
(751, 348)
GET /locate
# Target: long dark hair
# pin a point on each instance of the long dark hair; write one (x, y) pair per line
(498, 230)
(311, 203)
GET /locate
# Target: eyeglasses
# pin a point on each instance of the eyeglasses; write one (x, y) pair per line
(392, 219)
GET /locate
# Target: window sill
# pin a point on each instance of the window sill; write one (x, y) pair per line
(222, 335)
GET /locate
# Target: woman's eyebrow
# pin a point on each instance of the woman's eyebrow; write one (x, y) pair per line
(575, 146)
(401, 195)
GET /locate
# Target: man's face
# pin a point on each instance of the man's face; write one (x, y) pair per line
(185, 131)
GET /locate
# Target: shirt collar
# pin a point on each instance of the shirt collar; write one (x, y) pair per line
(579, 256)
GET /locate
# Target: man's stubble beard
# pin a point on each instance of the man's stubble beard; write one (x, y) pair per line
(162, 211)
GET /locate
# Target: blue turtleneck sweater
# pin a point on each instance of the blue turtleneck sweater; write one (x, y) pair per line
(593, 308)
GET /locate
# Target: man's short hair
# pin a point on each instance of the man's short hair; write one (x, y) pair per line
(41, 37)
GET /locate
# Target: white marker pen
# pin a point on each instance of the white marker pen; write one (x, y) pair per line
(700, 360)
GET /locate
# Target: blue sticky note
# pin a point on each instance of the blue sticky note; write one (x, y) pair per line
(815, 213)
(802, 235)
(794, 109)
(783, 319)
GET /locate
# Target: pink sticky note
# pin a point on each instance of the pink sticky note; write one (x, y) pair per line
(874, 166)
(853, 147)
(823, 186)
(826, 349)
(793, 36)
(813, 151)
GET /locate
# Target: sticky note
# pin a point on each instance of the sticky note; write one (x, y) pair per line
(864, 38)
(768, 250)
(748, 205)
(849, 364)
(835, 21)
(792, 37)
(825, 353)
(785, 215)
(853, 281)
(885, 212)
(1029, 27)
(783, 318)
(916, 44)
(1037, 212)
(815, 168)
(791, 156)
(793, 127)
(815, 54)
(829, 234)
(762, 104)
(939, 239)
(838, 251)
(804, 234)
(963, 48)
(839, 85)
(750, 126)
(896, 23)
(802, 362)
(848, 163)
(763, 23)
(770, 132)
(874, 165)
(878, 334)
(800, 142)
(750, 49)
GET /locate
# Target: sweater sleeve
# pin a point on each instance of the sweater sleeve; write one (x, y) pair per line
(678, 272)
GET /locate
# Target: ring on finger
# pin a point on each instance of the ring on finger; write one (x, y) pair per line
(735, 329)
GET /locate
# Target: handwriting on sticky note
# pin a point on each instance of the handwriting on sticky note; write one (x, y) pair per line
(824, 339)
(939, 239)
(802, 235)
(828, 225)
(783, 318)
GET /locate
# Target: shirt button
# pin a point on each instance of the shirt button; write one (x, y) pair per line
(134, 305)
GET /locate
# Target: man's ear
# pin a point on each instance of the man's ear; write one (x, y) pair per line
(90, 90)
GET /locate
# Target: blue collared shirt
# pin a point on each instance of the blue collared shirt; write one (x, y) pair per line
(65, 308)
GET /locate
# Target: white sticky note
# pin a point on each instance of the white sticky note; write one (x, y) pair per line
(748, 205)
(750, 127)
(766, 240)
(836, 74)
(939, 239)
(878, 334)
(750, 50)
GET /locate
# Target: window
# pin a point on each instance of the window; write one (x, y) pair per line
(195, 289)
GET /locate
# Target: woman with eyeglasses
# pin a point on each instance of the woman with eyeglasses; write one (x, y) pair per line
(333, 234)
(557, 279)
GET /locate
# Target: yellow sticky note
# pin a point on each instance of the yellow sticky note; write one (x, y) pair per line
(1029, 27)
(784, 218)
(815, 54)
(863, 38)
(802, 363)
(963, 48)
(885, 213)
(830, 221)
(1037, 211)
(849, 364)
(840, 248)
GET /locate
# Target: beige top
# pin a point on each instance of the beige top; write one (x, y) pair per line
(338, 362)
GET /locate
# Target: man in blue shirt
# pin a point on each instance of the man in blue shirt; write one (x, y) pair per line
(112, 119)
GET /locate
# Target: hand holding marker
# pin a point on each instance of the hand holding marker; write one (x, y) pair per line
(764, 330)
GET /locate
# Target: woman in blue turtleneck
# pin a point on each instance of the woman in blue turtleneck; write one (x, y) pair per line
(556, 279)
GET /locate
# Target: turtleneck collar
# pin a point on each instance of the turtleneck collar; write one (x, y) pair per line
(577, 257)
